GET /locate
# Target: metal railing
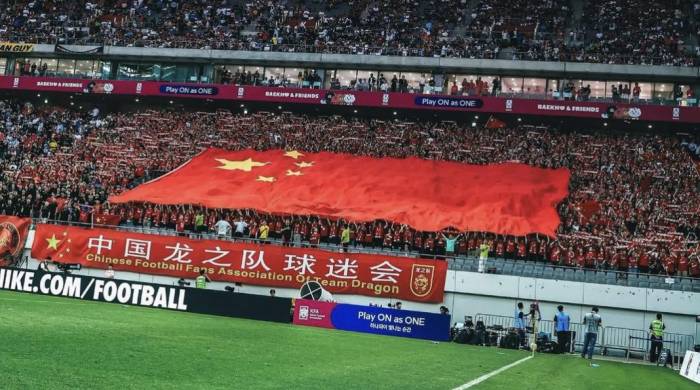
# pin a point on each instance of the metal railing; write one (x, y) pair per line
(627, 340)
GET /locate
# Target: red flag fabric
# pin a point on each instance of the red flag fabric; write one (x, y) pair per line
(107, 219)
(428, 195)
(13, 234)
(495, 123)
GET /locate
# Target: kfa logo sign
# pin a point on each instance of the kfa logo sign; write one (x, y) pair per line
(676, 113)
(509, 104)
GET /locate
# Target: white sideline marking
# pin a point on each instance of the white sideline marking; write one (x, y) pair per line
(490, 374)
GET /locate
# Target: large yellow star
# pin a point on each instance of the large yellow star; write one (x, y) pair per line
(293, 154)
(304, 164)
(53, 242)
(293, 173)
(245, 165)
(267, 179)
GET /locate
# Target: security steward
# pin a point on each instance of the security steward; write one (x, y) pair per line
(202, 280)
(656, 328)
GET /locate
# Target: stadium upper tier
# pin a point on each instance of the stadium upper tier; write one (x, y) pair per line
(633, 196)
(609, 32)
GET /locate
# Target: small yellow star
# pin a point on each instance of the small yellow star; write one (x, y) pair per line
(293, 154)
(245, 165)
(293, 173)
(53, 242)
(267, 179)
(304, 164)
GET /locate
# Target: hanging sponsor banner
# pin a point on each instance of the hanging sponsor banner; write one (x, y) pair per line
(691, 366)
(134, 293)
(372, 319)
(392, 100)
(265, 265)
(10, 47)
(53, 84)
(13, 234)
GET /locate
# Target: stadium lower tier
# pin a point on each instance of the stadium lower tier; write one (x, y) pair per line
(632, 198)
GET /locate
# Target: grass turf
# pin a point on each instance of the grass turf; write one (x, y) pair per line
(50, 343)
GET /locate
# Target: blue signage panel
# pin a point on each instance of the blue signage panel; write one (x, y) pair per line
(463, 103)
(194, 90)
(392, 322)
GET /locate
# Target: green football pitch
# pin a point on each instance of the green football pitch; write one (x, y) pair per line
(48, 343)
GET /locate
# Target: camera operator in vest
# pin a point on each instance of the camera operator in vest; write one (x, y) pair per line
(561, 323)
(656, 328)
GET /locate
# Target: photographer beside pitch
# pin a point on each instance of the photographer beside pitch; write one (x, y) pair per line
(592, 322)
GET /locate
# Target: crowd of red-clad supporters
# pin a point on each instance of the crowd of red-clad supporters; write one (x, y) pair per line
(611, 31)
(633, 203)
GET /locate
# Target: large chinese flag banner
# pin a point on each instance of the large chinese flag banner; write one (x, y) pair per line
(428, 195)
(225, 261)
(13, 234)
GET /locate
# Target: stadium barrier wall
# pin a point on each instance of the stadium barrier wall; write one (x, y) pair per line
(128, 292)
(389, 100)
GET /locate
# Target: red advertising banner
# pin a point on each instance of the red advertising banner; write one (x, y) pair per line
(392, 100)
(424, 194)
(225, 261)
(13, 234)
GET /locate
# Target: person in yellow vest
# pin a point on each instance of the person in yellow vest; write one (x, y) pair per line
(656, 328)
(345, 237)
(202, 280)
(264, 232)
(483, 255)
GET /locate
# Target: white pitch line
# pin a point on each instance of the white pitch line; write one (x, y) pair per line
(490, 374)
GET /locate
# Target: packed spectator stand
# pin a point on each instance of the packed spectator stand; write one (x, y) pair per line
(633, 202)
(612, 31)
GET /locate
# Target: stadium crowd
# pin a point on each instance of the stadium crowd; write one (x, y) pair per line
(611, 31)
(633, 202)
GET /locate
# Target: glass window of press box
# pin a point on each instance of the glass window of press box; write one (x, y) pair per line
(52, 67)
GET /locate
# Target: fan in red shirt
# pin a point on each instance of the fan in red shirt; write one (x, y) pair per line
(418, 242)
(388, 239)
(633, 261)
(429, 245)
(510, 248)
(378, 236)
(543, 246)
(554, 253)
(500, 247)
(669, 264)
(407, 237)
(396, 240)
(522, 249)
(315, 237)
(324, 231)
(683, 264)
(590, 257)
(694, 267)
(532, 249)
